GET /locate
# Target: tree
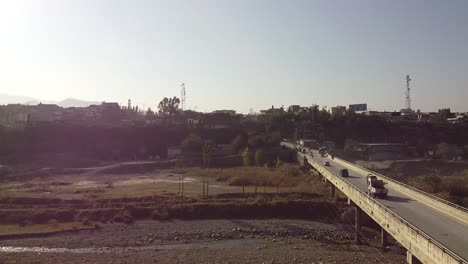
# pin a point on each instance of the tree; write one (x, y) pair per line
(246, 157)
(242, 180)
(278, 180)
(446, 151)
(445, 113)
(259, 157)
(239, 142)
(192, 142)
(180, 164)
(257, 141)
(207, 152)
(349, 144)
(149, 112)
(277, 162)
(169, 107)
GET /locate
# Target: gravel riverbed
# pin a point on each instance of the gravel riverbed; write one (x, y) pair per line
(202, 241)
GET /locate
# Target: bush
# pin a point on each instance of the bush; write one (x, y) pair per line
(192, 142)
(160, 214)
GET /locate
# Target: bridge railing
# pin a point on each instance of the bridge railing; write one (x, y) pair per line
(445, 206)
(440, 252)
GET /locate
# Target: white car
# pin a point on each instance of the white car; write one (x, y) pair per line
(326, 164)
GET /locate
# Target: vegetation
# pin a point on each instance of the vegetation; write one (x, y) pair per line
(246, 157)
(447, 180)
(259, 157)
(169, 107)
(239, 142)
(192, 142)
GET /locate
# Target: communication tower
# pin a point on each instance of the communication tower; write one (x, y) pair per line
(182, 96)
(408, 98)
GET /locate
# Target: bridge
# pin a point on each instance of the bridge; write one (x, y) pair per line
(431, 229)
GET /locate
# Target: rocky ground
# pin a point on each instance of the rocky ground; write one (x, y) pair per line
(202, 241)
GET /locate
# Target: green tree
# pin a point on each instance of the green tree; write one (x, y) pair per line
(446, 151)
(192, 143)
(246, 157)
(149, 112)
(259, 157)
(349, 144)
(169, 107)
(207, 152)
(278, 162)
(28, 119)
(181, 181)
(239, 142)
(257, 141)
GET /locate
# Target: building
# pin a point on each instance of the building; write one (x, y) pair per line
(459, 118)
(338, 110)
(220, 120)
(358, 107)
(229, 112)
(294, 108)
(272, 111)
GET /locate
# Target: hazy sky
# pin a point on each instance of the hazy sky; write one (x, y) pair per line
(238, 54)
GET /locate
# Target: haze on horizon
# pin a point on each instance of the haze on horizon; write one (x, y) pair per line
(238, 54)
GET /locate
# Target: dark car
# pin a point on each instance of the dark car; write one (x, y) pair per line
(344, 173)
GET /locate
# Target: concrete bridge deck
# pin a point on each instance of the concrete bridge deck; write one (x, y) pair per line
(440, 226)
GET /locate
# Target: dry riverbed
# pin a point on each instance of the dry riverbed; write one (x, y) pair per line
(201, 241)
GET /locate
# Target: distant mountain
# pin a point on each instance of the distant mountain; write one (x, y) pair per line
(26, 100)
(72, 102)
(14, 99)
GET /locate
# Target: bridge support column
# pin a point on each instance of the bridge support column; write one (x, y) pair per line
(332, 190)
(357, 224)
(383, 237)
(411, 259)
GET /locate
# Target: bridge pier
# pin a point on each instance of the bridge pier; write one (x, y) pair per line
(332, 190)
(411, 259)
(358, 225)
(383, 237)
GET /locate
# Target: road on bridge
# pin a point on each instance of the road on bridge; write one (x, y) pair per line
(447, 230)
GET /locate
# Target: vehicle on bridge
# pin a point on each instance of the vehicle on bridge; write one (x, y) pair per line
(322, 152)
(326, 164)
(344, 173)
(376, 189)
(370, 177)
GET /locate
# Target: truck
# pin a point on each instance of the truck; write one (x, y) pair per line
(376, 189)
(370, 177)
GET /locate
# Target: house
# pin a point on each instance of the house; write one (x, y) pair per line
(272, 111)
(220, 120)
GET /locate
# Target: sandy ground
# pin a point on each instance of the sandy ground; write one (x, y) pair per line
(203, 241)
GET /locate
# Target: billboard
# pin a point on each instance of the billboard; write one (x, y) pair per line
(358, 107)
